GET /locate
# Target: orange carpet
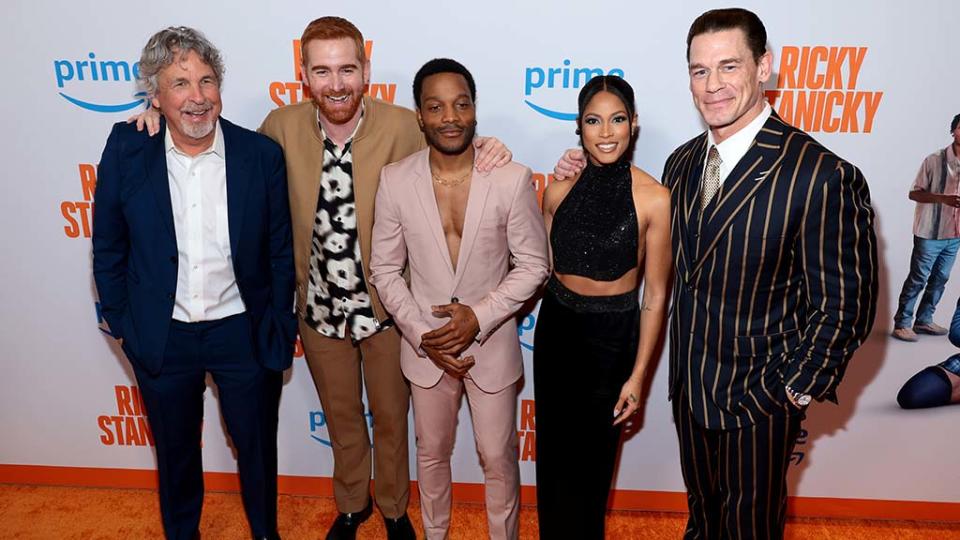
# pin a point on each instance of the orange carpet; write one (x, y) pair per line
(34, 512)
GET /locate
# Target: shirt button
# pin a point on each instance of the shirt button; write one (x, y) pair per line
(195, 267)
(196, 296)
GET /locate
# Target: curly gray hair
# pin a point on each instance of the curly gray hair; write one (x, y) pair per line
(166, 46)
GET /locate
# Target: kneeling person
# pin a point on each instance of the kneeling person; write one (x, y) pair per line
(476, 250)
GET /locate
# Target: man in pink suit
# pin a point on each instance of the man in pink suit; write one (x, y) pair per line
(476, 250)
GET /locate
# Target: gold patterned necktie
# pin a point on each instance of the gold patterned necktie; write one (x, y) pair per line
(711, 177)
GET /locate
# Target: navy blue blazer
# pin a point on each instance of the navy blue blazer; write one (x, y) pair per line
(135, 253)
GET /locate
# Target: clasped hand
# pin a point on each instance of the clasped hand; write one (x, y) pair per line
(444, 345)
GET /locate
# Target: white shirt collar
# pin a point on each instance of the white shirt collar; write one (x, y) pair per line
(734, 147)
(217, 147)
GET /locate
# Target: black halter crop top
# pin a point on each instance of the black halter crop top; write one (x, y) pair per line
(594, 231)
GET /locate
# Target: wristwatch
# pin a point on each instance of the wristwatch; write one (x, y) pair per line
(801, 400)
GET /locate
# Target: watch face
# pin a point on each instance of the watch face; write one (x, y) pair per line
(803, 400)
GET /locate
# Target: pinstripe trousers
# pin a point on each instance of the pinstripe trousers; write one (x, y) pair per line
(735, 479)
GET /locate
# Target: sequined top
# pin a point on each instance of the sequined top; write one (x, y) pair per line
(594, 231)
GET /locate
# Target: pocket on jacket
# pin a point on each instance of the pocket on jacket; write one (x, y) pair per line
(766, 345)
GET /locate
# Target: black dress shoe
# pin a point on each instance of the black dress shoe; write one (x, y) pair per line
(399, 528)
(346, 525)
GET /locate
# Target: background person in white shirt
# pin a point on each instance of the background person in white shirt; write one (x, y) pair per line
(936, 239)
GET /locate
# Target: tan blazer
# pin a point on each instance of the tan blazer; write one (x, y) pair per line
(502, 262)
(387, 133)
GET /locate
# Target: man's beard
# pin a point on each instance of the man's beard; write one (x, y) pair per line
(339, 114)
(194, 130)
(451, 148)
(198, 131)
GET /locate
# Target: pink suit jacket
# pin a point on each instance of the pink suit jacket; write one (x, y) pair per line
(501, 264)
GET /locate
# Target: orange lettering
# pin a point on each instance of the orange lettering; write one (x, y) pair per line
(386, 92)
(107, 437)
(293, 88)
(88, 181)
(871, 104)
(540, 183)
(834, 67)
(529, 450)
(804, 66)
(856, 62)
(276, 90)
(805, 115)
(297, 60)
(368, 49)
(137, 399)
(814, 80)
(123, 399)
(133, 435)
(787, 78)
(86, 218)
(786, 106)
(772, 97)
(117, 421)
(850, 122)
(72, 228)
(528, 417)
(145, 430)
(830, 122)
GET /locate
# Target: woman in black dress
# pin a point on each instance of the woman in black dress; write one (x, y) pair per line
(609, 229)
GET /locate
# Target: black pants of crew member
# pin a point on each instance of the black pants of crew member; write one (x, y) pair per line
(249, 401)
(735, 479)
(584, 350)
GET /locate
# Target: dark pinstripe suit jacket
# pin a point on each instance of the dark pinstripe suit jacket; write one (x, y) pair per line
(776, 279)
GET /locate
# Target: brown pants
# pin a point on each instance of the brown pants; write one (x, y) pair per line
(336, 366)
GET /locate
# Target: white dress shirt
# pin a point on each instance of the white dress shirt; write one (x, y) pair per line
(206, 285)
(734, 147)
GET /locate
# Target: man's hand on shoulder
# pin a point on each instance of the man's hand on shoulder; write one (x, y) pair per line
(491, 153)
(149, 118)
(570, 164)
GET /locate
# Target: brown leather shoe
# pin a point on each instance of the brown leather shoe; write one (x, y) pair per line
(930, 329)
(904, 334)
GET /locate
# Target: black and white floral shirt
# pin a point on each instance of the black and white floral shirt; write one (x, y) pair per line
(338, 301)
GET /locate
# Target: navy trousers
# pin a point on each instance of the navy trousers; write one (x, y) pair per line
(249, 401)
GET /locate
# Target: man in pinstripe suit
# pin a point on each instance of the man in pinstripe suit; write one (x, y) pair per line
(776, 281)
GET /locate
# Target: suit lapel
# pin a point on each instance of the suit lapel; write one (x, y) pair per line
(476, 201)
(751, 173)
(238, 182)
(688, 202)
(423, 185)
(155, 161)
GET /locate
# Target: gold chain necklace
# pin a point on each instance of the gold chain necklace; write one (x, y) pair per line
(450, 182)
